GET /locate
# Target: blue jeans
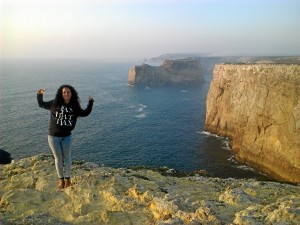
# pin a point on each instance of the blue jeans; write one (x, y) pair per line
(61, 149)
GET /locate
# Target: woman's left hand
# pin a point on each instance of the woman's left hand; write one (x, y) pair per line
(91, 99)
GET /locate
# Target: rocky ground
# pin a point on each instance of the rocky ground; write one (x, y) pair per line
(101, 195)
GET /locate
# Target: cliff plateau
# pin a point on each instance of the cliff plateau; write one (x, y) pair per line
(258, 108)
(103, 195)
(170, 72)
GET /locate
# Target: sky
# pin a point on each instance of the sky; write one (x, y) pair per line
(140, 29)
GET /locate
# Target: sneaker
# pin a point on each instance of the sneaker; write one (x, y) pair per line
(61, 183)
(67, 182)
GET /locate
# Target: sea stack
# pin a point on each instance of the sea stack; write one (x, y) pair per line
(170, 72)
(258, 107)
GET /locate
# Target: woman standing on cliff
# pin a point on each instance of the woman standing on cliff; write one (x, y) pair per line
(65, 109)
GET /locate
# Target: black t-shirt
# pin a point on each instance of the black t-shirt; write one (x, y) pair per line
(63, 118)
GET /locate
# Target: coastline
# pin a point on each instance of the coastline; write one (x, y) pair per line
(257, 107)
(104, 195)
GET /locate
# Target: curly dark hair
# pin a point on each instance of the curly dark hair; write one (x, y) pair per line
(59, 100)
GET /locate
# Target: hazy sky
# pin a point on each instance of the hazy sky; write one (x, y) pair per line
(123, 29)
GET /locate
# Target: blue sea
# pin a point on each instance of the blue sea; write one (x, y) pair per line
(129, 126)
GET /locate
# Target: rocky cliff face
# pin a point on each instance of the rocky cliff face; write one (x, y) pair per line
(171, 72)
(258, 108)
(102, 195)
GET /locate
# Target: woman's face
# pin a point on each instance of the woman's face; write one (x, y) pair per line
(67, 94)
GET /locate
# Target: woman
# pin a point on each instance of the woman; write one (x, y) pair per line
(65, 109)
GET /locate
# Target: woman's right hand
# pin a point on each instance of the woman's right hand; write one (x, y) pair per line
(41, 91)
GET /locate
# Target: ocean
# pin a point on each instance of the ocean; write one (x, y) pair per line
(129, 126)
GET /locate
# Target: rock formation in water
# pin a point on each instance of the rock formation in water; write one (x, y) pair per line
(171, 72)
(258, 108)
(102, 195)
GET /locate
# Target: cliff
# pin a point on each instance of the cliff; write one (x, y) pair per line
(258, 108)
(102, 195)
(170, 72)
